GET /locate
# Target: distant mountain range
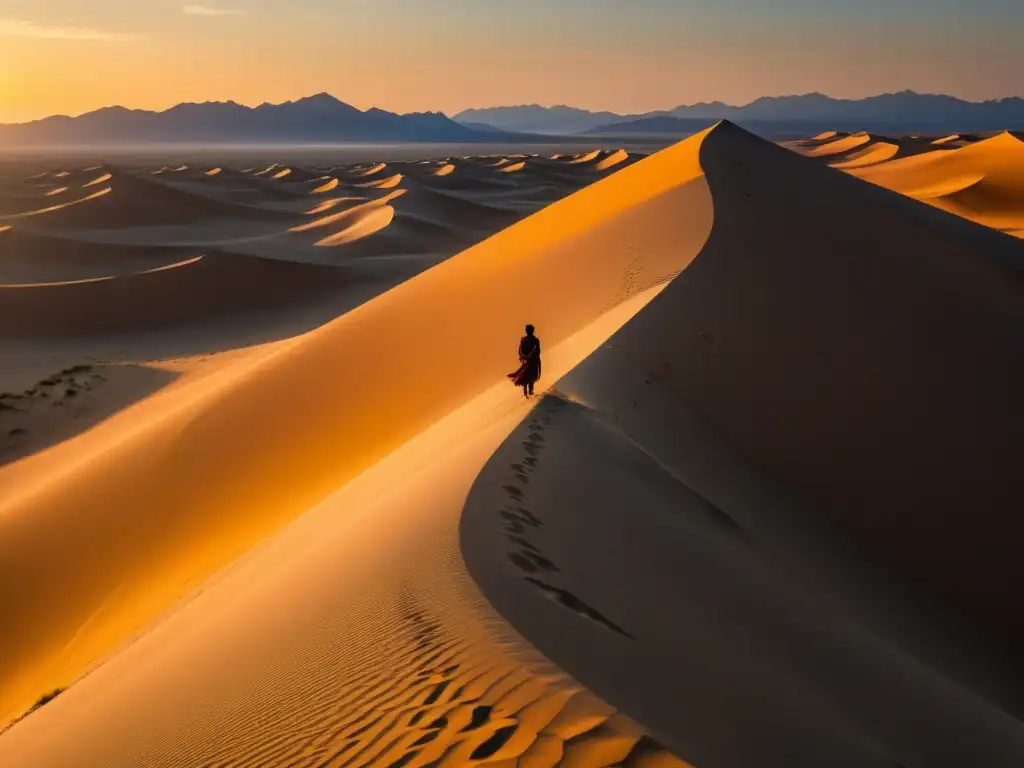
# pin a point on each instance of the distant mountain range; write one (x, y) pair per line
(325, 119)
(906, 111)
(316, 119)
(537, 119)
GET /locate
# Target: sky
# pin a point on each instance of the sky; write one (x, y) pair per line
(628, 56)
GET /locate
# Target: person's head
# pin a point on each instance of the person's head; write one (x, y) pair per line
(529, 330)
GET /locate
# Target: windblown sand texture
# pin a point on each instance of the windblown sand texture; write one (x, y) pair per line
(718, 538)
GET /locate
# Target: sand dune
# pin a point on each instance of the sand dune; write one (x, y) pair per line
(982, 181)
(98, 180)
(218, 285)
(586, 157)
(363, 172)
(611, 159)
(876, 152)
(125, 200)
(387, 183)
(327, 186)
(716, 539)
(767, 567)
(840, 145)
(31, 258)
(297, 460)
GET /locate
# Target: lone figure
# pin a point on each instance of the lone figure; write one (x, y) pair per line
(529, 362)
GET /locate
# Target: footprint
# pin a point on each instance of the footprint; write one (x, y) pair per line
(523, 563)
(536, 437)
(531, 518)
(514, 492)
(531, 449)
(577, 606)
(540, 561)
(498, 739)
(478, 718)
(517, 517)
(522, 478)
(531, 462)
(523, 543)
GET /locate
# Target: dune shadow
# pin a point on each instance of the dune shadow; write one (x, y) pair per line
(67, 404)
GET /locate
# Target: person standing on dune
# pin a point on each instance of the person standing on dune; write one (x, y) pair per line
(529, 362)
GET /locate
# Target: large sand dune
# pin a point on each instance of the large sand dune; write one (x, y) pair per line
(764, 515)
(785, 490)
(259, 473)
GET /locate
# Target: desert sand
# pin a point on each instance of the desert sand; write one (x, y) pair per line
(979, 178)
(763, 512)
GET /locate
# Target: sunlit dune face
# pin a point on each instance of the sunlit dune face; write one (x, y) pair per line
(123, 257)
(98, 180)
(389, 183)
(982, 180)
(612, 159)
(839, 145)
(326, 187)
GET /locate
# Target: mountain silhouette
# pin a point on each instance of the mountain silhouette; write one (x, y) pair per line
(533, 118)
(905, 111)
(319, 118)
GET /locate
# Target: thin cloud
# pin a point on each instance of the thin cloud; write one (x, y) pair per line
(22, 28)
(205, 10)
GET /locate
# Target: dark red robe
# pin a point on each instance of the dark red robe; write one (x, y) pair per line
(529, 362)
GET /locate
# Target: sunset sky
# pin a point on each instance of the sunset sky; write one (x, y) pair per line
(70, 56)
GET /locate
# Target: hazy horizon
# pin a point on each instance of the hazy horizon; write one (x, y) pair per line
(406, 56)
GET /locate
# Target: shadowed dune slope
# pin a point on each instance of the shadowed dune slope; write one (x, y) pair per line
(29, 258)
(217, 285)
(219, 464)
(130, 201)
(774, 518)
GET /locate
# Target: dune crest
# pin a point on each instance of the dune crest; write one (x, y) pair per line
(838, 146)
(98, 180)
(328, 186)
(388, 183)
(877, 152)
(611, 159)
